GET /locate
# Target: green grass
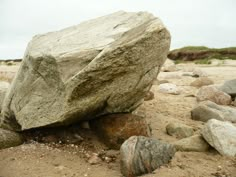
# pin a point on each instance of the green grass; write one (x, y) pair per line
(204, 61)
(190, 53)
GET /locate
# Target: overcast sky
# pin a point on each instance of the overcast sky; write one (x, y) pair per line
(191, 22)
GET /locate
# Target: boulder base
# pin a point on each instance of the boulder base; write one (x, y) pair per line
(9, 139)
(114, 129)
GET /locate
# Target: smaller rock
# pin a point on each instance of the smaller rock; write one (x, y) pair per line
(213, 94)
(202, 81)
(94, 159)
(229, 87)
(141, 155)
(221, 136)
(3, 89)
(234, 103)
(193, 143)
(190, 74)
(114, 129)
(172, 76)
(169, 88)
(158, 82)
(199, 73)
(9, 139)
(208, 110)
(169, 66)
(149, 96)
(179, 130)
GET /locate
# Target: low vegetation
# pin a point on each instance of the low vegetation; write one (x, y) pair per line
(202, 54)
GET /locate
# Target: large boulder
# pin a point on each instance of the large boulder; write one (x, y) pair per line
(211, 93)
(221, 136)
(114, 129)
(140, 155)
(9, 138)
(208, 110)
(3, 89)
(101, 66)
(229, 87)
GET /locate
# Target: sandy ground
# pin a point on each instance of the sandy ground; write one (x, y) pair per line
(34, 159)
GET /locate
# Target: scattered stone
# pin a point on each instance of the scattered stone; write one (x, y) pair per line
(114, 129)
(169, 88)
(94, 159)
(216, 62)
(190, 74)
(202, 81)
(75, 74)
(179, 130)
(172, 76)
(234, 103)
(9, 139)
(158, 82)
(229, 87)
(3, 89)
(169, 66)
(193, 143)
(221, 136)
(199, 73)
(141, 155)
(208, 110)
(149, 96)
(213, 94)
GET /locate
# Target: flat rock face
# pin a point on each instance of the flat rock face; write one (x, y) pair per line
(221, 136)
(208, 110)
(140, 155)
(229, 87)
(114, 129)
(101, 66)
(211, 93)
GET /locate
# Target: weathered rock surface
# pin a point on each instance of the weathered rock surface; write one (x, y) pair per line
(202, 81)
(3, 89)
(208, 110)
(179, 130)
(140, 155)
(9, 139)
(229, 87)
(221, 136)
(211, 93)
(169, 88)
(234, 103)
(193, 143)
(114, 129)
(169, 66)
(105, 65)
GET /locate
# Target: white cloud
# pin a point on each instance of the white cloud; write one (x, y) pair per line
(191, 22)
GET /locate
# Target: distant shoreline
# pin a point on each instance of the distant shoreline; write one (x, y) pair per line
(8, 60)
